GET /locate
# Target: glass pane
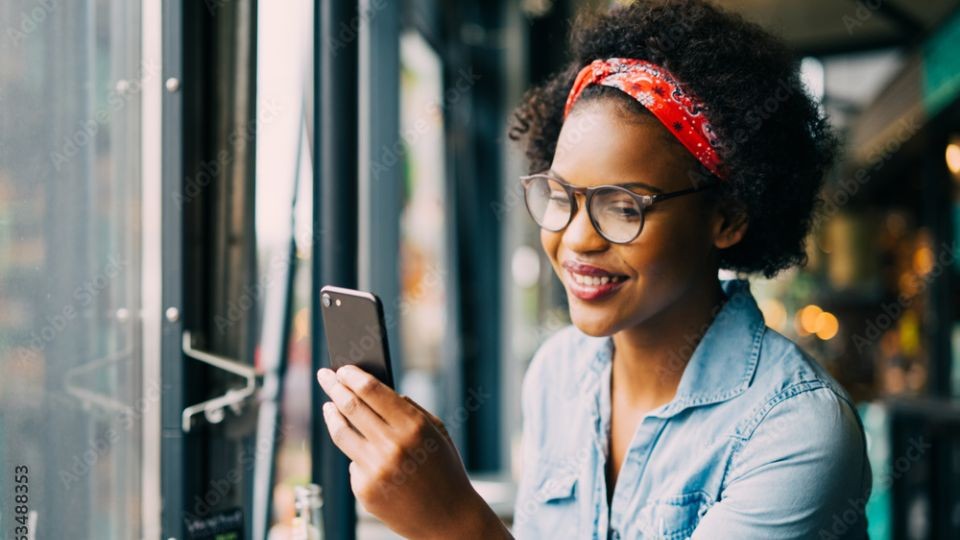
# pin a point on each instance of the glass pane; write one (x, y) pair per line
(71, 398)
(285, 52)
(423, 249)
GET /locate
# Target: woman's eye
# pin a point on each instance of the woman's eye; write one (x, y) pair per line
(623, 211)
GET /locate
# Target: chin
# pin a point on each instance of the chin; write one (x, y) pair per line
(592, 321)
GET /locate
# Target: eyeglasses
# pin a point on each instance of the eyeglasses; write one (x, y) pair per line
(615, 211)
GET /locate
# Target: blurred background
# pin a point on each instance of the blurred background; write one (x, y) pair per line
(178, 178)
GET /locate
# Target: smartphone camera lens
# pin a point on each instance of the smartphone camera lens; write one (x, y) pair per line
(326, 300)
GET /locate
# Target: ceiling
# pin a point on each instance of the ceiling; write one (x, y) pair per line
(827, 27)
(822, 27)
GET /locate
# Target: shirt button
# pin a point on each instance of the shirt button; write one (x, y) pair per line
(614, 535)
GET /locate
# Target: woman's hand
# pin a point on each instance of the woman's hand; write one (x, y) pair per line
(405, 469)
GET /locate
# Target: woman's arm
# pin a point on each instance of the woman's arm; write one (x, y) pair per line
(404, 468)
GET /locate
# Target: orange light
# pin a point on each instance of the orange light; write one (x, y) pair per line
(827, 326)
(809, 318)
(923, 260)
(953, 158)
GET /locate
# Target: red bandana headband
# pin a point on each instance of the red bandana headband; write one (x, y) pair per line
(660, 92)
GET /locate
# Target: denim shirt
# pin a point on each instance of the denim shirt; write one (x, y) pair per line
(758, 442)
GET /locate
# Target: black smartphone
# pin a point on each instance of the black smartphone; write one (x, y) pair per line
(356, 334)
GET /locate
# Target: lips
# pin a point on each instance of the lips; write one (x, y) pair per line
(588, 282)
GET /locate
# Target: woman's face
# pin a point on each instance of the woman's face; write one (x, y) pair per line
(674, 252)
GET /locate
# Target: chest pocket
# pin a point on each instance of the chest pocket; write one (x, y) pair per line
(556, 486)
(554, 509)
(673, 518)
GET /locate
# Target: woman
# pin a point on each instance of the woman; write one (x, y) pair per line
(679, 141)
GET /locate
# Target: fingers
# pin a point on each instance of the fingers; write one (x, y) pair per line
(395, 410)
(437, 423)
(359, 479)
(366, 422)
(343, 434)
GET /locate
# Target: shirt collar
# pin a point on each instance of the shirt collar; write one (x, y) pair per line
(722, 363)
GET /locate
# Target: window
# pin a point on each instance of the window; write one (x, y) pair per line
(71, 397)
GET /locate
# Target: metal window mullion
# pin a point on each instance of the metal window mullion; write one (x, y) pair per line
(334, 230)
(172, 438)
(380, 159)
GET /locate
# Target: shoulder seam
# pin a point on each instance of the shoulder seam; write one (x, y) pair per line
(745, 429)
(742, 435)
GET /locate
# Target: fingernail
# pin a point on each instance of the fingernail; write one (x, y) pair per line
(348, 371)
(326, 375)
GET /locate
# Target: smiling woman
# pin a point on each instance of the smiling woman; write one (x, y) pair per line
(667, 409)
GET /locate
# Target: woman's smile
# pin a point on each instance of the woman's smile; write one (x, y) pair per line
(588, 282)
(609, 285)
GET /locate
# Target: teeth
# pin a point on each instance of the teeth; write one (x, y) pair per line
(593, 281)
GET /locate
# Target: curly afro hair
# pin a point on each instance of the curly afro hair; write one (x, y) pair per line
(776, 142)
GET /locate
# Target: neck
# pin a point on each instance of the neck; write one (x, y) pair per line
(649, 358)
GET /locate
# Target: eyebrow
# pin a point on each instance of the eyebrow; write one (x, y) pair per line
(627, 185)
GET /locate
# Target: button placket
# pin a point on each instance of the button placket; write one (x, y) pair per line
(631, 472)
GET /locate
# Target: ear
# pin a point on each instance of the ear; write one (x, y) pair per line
(729, 226)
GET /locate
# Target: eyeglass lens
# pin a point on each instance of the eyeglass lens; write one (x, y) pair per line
(617, 215)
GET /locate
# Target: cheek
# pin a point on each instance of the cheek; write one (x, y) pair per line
(671, 245)
(550, 241)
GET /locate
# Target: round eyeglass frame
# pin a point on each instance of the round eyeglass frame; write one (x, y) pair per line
(644, 201)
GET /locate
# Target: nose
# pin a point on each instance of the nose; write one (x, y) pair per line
(580, 235)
